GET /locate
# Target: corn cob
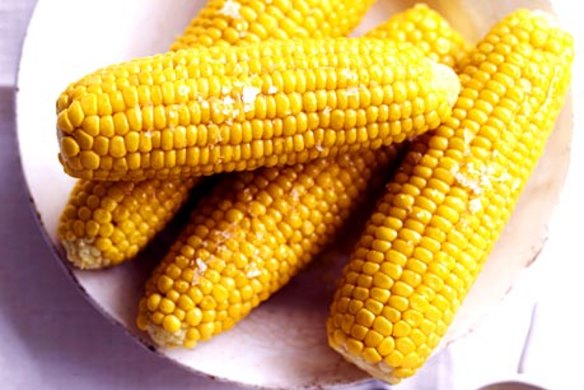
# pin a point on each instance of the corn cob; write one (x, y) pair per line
(246, 240)
(259, 229)
(236, 22)
(204, 111)
(100, 241)
(431, 233)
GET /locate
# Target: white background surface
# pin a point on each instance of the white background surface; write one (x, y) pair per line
(50, 338)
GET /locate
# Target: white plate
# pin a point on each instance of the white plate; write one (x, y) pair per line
(282, 344)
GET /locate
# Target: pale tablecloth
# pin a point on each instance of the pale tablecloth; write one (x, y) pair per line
(51, 338)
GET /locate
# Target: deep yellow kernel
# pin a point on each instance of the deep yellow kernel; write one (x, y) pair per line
(386, 346)
(171, 324)
(383, 326)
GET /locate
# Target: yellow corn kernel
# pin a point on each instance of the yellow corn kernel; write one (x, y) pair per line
(480, 160)
(235, 79)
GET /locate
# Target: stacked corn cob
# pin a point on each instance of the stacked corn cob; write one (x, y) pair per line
(279, 108)
(239, 108)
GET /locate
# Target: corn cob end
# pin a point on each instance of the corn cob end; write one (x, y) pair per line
(446, 79)
(107, 223)
(160, 335)
(83, 254)
(380, 371)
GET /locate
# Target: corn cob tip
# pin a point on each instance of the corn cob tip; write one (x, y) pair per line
(379, 371)
(83, 254)
(161, 336)
(548, 18)
(446, 79)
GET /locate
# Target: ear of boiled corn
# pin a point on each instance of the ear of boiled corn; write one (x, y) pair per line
(447, 205)
(96, 225)
(204, 111)
(259, 229)
(246, 240)
(236, 22)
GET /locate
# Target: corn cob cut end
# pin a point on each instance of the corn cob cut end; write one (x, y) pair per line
(160, 336)
(447, 80)
(83, 254)
(377, 370)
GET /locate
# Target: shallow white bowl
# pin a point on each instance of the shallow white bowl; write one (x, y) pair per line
(282, 344)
